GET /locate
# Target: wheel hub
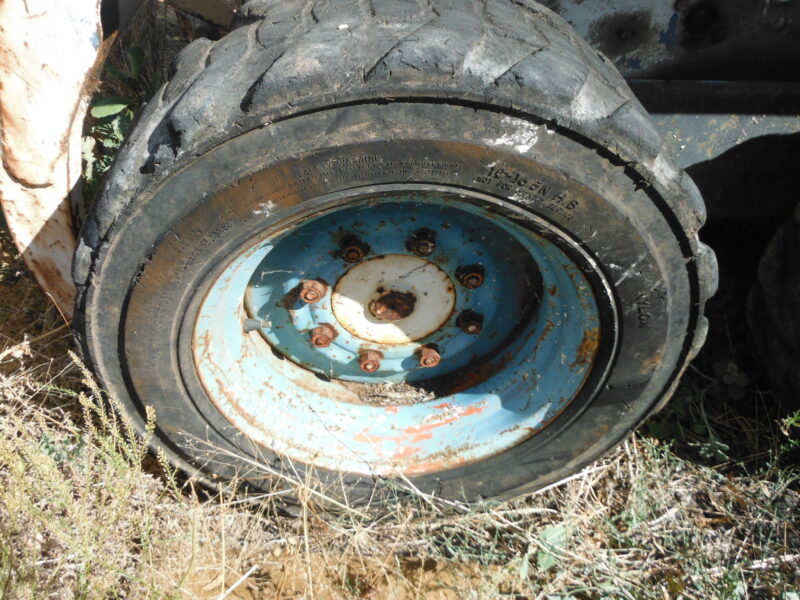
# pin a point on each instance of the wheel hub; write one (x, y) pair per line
(393, 306)
(389, 317)
(392, 280)
(393, 299)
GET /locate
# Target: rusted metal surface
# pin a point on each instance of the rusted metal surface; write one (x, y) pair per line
(470, 322)
(422, 242)
(312, 291)
(369, 361)
(412, 406)
(323, 335)
(353, 250)
(470, 276)
(393, 305)
(47, 54)
(587, 349)
(407, 298)
(428, 357)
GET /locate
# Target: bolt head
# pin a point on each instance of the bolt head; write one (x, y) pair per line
(312, 291)
(353, 254)
(429, 357)
(422, 242)
(249, 325)
(470, 322)
(322, 336)
(475, 280)
(393, 305)
(424, 248)
(369, 361)
(320, 340)
(471, 276)
(352, 249)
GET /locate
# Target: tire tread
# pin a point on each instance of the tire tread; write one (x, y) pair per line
(773, 310)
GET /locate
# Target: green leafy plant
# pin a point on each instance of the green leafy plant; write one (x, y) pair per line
(790, 427)
(554, 540)
(110, 118)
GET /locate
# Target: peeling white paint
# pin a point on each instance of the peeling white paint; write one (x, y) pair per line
(48, 52)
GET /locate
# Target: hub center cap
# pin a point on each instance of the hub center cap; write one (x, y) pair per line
(393, 306)
(393, 299)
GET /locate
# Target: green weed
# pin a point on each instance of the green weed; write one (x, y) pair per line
(110, 119)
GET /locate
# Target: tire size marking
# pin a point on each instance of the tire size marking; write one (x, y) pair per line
(530, 190)
(643, 314)
(645, 303)
(367, 168)
(346, 168)
(311, 179)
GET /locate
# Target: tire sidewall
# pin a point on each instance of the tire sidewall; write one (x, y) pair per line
(165, 252)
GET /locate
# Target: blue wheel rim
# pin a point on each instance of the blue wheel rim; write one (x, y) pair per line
(541, 333)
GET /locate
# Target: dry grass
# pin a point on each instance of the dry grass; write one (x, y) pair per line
(709, 511)
(80, 517)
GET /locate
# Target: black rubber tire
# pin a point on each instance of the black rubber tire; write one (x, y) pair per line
(299, 77)
(773, 311)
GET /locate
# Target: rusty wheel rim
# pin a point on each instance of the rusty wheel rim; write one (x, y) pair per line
(382, 410)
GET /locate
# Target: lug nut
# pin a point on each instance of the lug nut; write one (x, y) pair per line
(470, 322)
(423, 248)
(470, 276)
(312, 291)
(422, 242)
(428, 357)
(369, 360)
(353, 249)
(322, 335)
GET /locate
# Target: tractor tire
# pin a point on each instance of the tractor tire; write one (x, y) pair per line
(773, 311)
(361, 243)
